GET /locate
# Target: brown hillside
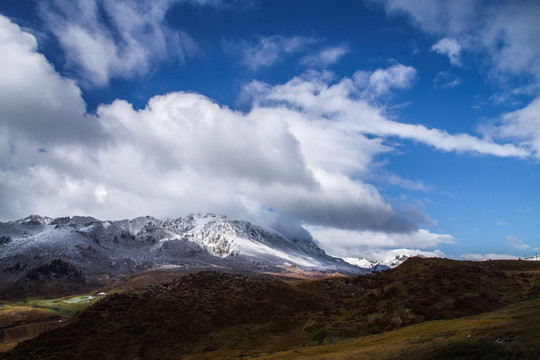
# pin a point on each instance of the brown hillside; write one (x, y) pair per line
(215, 315)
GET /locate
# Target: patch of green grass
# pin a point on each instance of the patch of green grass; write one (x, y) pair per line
(66, 307)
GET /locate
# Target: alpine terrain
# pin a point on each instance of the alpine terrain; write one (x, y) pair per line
(78, 249)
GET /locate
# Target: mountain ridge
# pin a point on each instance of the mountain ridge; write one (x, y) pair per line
(115, 248)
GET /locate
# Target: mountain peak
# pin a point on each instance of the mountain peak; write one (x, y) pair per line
(34, 220)
(195, 241)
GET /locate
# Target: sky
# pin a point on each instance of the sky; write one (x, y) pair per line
(375, 125)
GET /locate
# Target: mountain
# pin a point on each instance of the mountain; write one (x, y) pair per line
(114, 248)
(380, 265)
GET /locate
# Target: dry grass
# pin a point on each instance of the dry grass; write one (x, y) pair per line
(432, 339)
(222, 316)
(19, 323)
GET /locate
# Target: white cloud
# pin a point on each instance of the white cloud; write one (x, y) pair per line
(437, 16)
(351, 243)
(182, 153)
(503, 36)
(135, 37)
(522, 125)
(405, 183)
(490, 256)
(343, 103)
(188, 132)
(450, 48)
(504, 32)
(517, 243)
(34, 99)
(326, 56)
(263, 52)
(38, 109)
(382, 81)
(510, 35)
(445, 80)
(267, 51)
(101, 193)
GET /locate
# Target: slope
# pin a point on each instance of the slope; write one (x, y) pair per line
(508, 333)
(217, 315)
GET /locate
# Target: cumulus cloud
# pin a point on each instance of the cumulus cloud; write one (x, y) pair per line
(349, 243)
(267, 51)
(450, 48)
(35, 101)
(188, 132)
(300, 153)
(382, 81)
(39, 111)
(184, 153)
(133, 38)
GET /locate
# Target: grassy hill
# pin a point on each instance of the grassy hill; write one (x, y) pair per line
(213, 315)
(511, 332)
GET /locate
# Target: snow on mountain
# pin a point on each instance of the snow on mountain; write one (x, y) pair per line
(119, 247)
(377, 265)
(376, 260)
(533, 258)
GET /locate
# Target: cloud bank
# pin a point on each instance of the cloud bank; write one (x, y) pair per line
(301, 152)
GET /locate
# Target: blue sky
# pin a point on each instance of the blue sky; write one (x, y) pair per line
(375, 125)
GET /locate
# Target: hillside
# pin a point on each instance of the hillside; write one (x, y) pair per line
(218, 315)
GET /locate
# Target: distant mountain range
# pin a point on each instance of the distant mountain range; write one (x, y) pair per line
(115, 248)
(381, 265)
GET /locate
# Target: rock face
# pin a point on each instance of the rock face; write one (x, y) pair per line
(94, 247)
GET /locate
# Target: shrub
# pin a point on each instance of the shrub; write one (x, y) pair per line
(319, 336)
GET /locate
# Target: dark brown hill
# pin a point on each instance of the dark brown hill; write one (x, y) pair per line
(216, 315)
(55, 279)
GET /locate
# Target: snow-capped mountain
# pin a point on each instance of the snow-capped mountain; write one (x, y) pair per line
(384, 264)
(119, 247)
(533, 258)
